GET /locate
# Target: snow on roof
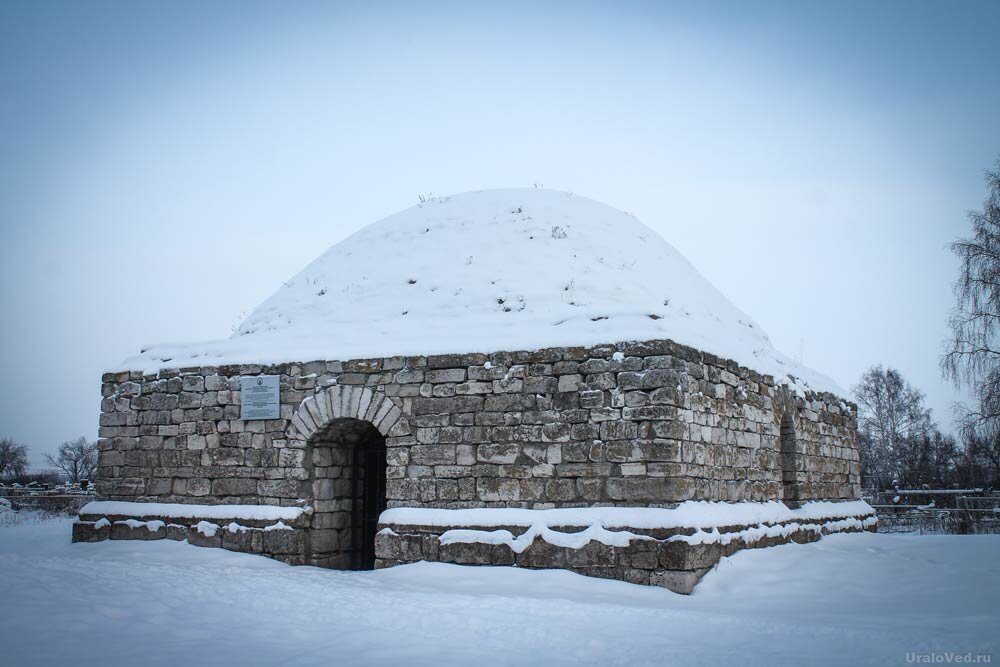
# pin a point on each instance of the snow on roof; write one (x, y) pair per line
(488, 271)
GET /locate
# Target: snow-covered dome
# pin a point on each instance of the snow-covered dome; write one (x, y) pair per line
(488, 271)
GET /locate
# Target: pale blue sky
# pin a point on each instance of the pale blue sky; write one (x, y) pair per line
(164, 166)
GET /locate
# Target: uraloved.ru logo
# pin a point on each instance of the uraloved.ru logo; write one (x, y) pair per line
(949, 657)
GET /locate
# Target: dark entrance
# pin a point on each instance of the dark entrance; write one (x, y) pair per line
(788, 451)
(368, 501)
(348, 485)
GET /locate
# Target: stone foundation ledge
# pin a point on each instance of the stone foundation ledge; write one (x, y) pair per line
(599, 542)
(275, 532)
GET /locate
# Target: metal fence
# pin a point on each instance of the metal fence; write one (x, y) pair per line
(941, 511)
(60, 500)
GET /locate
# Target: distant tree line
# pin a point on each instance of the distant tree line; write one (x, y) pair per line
(899, 442)
(75, 461)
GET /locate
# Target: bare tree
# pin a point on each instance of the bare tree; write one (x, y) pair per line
(983, 447)
(972, 359)
(13, 458)
(891, 421)
(77, 458)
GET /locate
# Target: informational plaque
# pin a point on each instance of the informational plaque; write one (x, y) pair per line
(259, 397)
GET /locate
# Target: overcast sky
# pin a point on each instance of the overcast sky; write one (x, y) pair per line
(164, 167)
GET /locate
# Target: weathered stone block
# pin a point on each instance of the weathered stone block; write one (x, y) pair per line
(569, 383)
(87, 531)
(649, 490)
(283, 541)
(200, 539)
(498, 453)
(431, 455)
(280, 488)
(464, 553)
(679, 555)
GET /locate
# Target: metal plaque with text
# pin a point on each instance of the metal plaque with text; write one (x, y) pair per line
(259, 397)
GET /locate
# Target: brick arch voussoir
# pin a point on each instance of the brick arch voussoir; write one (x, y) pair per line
(785, 402)
(315, 412)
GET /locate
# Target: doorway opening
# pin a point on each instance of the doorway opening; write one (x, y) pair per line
(787, 450)
(347, 469)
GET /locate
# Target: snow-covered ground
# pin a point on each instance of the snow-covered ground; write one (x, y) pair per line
(848, 599)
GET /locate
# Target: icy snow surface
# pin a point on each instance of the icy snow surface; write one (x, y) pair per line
(859, 599)
(181, 510)
(490, 271)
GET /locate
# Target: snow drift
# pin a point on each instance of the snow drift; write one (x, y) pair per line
(492, 271)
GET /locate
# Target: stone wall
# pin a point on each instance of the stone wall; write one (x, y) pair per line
(638, 423)
(287, 542)
(655, 557)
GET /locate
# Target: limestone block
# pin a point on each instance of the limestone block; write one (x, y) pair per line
(679, 555)
(176, 532)
(508, 385)
(433, 454)
(540, 385)
(464, 553)
(650, 490)
(591, 399)
(498, 489)
(445, 375)
(199, 539)
(280, 488)
(122, 531)
(87, 531)
(498, 453)
(568, 383)
(682, 582)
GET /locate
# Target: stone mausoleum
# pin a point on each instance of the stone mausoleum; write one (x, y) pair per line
(512, 377)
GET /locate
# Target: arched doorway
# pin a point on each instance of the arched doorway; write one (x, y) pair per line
(347, 467)
(788, 452)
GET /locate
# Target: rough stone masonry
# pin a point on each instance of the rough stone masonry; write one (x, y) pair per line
(648, 424)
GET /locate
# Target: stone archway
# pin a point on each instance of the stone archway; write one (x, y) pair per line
(344, 402)
(345, 429)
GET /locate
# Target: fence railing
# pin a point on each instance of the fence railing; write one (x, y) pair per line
(923, 511)
(59, 500)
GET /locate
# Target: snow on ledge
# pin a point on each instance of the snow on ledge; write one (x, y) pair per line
(151, 526)
(622, 538)
(619, 538)
(690, 514)
(207, 528)
(181, 510)
(756, 533)
(767, 520)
